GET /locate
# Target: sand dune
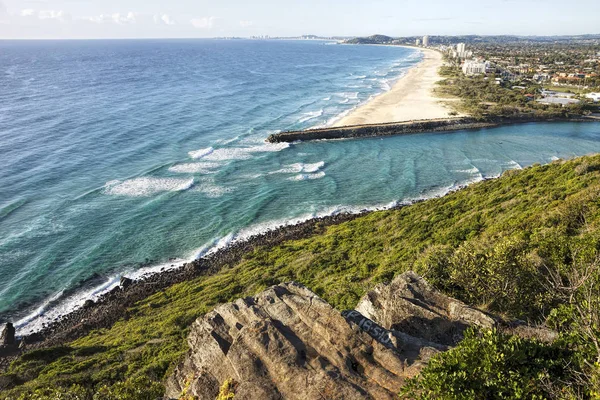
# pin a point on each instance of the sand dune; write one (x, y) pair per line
(411, 98)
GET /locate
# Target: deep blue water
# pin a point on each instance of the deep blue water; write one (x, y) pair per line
(118, 152)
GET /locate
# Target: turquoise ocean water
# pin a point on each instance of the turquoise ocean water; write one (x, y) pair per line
(118, 154)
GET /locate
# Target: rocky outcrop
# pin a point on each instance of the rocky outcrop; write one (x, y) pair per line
(410, 305)
(287, 343)
(8, 335)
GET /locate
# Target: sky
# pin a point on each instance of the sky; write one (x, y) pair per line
(94, 19)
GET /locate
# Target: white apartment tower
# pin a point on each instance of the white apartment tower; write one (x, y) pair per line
(425, 40)
(460, 48)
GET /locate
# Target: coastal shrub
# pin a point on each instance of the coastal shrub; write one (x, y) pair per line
(227, 391)
(492, 365)
(75, 392)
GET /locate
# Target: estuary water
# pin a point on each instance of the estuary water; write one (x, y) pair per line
(126, 157)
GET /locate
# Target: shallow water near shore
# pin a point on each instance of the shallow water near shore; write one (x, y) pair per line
(118, 154)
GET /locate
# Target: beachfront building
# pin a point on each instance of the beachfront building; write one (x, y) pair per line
(418, 42)
(472, 67)
(425, 40)
(462, 52)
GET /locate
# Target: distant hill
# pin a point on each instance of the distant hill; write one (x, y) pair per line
(375, 39)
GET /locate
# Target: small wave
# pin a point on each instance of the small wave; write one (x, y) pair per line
(311, 115)
(211, 190)
(300, 167)
(512, 164)
(385, 85)
(147, 186)
(201, 153)
(327, 98)
(304, 177)
(243, 153)
(472, 171)
(194, 168)
(268, 147)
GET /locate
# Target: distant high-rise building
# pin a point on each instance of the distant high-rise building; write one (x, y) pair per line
(418, 42)
(425, 40)
(460, 48)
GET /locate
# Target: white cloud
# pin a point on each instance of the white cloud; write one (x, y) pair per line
(246, 24)
(51, 14)
(124, 19)
(117, 18)
(204, 22)
(163, 19)
(59, 15)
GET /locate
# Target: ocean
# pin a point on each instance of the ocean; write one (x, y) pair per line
(128, 157)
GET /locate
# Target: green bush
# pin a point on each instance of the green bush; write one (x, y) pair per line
(491, 365)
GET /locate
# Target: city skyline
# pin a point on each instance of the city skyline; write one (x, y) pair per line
(69, 19)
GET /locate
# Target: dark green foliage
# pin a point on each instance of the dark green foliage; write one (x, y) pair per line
(493, 245)
(491, 365)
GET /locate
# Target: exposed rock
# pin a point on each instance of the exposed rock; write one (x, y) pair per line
(8, 335)
(125, 282)
(410, 305)
(88, 304)
(287, 343)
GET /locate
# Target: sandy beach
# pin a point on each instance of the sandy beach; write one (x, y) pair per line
(411, 98)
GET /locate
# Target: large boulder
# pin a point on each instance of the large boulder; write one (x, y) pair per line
(8, 335)
(287, 343)
(410, 305)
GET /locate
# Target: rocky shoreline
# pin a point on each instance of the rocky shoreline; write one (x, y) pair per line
(113, 305)
(411, 127)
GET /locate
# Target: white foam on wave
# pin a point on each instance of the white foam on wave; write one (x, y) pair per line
(200, 153)
(194, 168)
(210, 189)
(300, 167)
(147, 186)
(512, 164)
(241, 153)
(305, 177)
(385, 85)
(311, 115)
(473, 170)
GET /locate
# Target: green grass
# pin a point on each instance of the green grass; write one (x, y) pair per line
(489, 245)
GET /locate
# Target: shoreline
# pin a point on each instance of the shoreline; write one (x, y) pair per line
(112, 306)
(410, 98)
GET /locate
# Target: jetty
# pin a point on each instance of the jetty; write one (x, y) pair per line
(411, 127)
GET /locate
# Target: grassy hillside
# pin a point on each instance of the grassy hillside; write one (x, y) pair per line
(515, 246)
